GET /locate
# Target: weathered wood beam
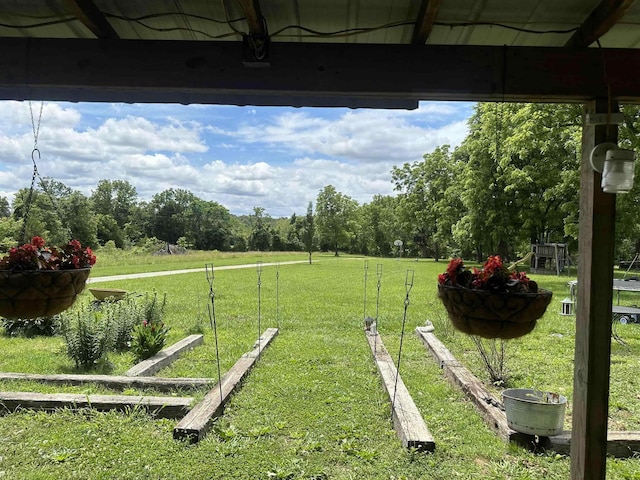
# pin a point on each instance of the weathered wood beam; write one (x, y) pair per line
(424, 23)
(487, 404)
(163, 407)
(308, 74)
(592, 355)
(253, 15)
(603, 17)
(164, 357)
(407, 420)
(619, 444)
(115, 382)
(195, 425)
(92, 18)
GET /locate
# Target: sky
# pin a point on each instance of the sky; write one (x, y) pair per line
(277, 158)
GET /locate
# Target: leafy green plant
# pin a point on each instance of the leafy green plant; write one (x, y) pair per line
(41, 326)
(150, 336)
(88, 335)
(123, 315)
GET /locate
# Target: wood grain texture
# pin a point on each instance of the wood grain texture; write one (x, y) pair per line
(487, 404)
(164, 357)
(115, 382)
(407, 420)
(592, 355)
(162, 407)
(195, 425)
(308, 74)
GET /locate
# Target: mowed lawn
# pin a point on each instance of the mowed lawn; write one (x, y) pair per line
(313, 407)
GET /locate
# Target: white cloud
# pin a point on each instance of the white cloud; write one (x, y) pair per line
(362, 136)
(240, 158)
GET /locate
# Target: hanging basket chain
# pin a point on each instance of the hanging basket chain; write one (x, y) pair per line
(36, 132)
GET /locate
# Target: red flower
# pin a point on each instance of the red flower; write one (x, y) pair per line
(493, 276)
(37, 242)
(37, 256)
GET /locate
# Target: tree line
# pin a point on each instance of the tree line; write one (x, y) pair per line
(513, 181)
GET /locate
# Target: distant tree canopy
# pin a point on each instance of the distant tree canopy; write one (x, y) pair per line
(513, 181)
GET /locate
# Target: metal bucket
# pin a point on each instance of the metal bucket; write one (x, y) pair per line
(534, 412)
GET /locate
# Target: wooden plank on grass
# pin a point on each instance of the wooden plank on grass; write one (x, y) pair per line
(163, 407)
(490, 408)
(407, 421)
(115, 382)
(619, 444)
(195, 425)
(164, 357)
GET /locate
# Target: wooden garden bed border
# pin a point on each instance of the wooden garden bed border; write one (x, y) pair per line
(164, 357)
(195, 425)
(115, 382)
(163, 407)
(407, 420)
(619, 444)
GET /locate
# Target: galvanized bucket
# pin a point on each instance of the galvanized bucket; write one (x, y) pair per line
(534, 412)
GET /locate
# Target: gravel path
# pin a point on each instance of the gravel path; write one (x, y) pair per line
(191, 270)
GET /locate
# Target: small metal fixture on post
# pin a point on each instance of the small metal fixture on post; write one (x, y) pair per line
(616, 165)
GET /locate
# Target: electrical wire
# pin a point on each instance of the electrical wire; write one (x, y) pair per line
(281, 32)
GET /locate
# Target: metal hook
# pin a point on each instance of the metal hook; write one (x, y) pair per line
(32, 156)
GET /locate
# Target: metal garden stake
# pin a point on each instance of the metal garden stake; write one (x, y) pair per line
(408, 285)
(212, 318)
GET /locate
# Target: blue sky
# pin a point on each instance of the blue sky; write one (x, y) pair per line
(241, 157)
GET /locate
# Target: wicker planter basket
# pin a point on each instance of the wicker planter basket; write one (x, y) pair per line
(493, 315)
(39, 293)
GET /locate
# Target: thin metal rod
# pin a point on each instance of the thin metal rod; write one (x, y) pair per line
(366, 269)
(408, 285)
(379, 276)
(212, 318)
(277, 296)
(259, 271)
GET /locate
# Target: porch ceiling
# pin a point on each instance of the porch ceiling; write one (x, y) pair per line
(379, 53)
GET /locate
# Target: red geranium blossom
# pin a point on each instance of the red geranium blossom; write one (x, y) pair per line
(493, 276)
(37, 256)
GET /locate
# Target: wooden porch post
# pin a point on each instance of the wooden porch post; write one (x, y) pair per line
(593, 314)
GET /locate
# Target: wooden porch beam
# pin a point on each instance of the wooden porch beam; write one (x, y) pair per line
(426, 18)
(603, 17)
(593, 316)
(92, 18)
(253, 15)
(308, 74)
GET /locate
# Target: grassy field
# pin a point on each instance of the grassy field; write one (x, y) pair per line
(313, 408)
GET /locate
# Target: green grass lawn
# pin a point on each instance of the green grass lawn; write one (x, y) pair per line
(314, 407)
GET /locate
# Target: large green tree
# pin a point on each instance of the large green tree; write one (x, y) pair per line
(308, 231)
(168, 214)
(335, 218)
(425, 204)
(519, 182)
(261, 234)
(380, 226)
(208, 225)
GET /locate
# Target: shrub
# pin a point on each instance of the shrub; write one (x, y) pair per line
(149, 337)
(32, 327)
(123, 316)
(88, 335)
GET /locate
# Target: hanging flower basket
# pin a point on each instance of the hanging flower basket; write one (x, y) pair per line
(491, 302)
(493, 314)
(39, 281)
(39, 293)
